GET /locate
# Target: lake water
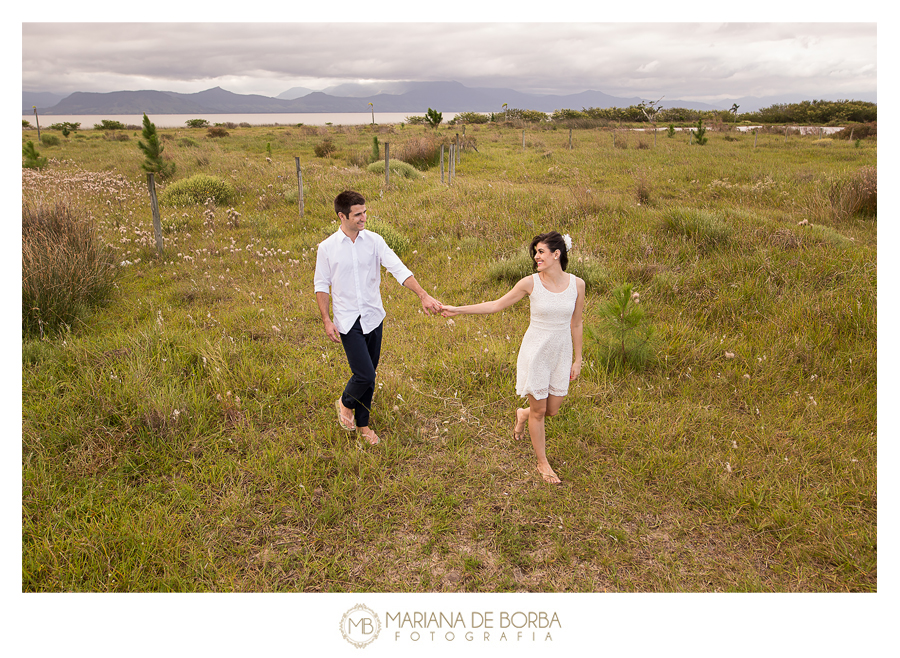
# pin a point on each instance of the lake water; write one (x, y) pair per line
(87, 121)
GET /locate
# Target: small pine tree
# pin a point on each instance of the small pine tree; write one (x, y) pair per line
(376, 152)
(152, 150)
(33, 159)
(670, 131)
(433, 117)
(624, 338)
(700, 133)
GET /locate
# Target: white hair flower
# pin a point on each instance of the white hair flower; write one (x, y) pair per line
(568, 240)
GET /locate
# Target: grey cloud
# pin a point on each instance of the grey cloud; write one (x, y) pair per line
(693, 60)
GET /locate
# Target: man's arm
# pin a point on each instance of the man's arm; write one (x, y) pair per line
(331, 331)
(429, 303)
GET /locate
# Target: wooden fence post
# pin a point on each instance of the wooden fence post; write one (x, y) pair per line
(299, 185)
(755, 135)
(154, 207)
(37, 122)
(450, 167)
(442, 164)
(570, 139)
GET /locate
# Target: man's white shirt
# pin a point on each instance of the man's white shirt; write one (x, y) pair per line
(351, 273)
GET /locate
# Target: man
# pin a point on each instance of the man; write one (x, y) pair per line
(349, 264)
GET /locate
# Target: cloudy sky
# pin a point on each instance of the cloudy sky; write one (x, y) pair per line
(691, 61)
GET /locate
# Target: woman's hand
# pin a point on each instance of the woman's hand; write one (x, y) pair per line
(575, 371)
(450, 311)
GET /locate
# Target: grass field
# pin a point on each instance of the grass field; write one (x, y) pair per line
(182, 436)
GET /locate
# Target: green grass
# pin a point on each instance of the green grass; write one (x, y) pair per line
(182, 437)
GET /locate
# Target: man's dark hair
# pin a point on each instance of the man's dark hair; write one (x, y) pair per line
(346, 199)
(554, 241)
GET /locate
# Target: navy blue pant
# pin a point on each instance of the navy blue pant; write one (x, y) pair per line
(363, 352)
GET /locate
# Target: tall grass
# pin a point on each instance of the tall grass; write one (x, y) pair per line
(183, 437)
(66, 270)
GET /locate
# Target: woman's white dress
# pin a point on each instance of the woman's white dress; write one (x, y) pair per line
(545, 357)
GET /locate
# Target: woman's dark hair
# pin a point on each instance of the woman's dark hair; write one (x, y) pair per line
(554, 241)
(347, 199)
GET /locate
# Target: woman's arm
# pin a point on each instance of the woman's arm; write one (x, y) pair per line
(520, 290)
(577, 330)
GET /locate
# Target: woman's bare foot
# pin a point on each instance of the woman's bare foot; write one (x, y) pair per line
(369, 435)
(521, 420)
(548, 474)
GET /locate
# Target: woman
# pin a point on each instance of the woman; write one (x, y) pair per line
(545, 365)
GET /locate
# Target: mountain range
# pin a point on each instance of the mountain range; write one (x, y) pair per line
(412, 97)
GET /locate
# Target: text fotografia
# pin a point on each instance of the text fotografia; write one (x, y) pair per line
(480, 626)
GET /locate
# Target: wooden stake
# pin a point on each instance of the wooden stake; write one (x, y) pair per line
(299, 185)
(154, 207)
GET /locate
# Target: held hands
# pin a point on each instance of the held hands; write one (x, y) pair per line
(450, 311)
(431, 305)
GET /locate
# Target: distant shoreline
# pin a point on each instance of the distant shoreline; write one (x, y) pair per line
(254, 119)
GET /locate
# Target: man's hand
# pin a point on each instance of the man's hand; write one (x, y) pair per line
(331, 331)
(430, 304)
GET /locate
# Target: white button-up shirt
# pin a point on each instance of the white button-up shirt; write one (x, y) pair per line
(352, 271)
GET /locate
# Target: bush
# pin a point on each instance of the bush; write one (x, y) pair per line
(66, 270)
(854, 194)
(398, 242)
(197, 189)
(398, 167)
(197, 123)
(468, 117)
(216, 131)
(107, 124)
(421, 152)
(324, 149)
(49, 140)
(861, 131)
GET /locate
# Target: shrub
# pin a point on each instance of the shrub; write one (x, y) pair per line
(854, 194)
(197, 123)
(703, 227)
(216, 131)
(398, 242)
(197, 189)
(415, 120)
(49, 140)
(861, 131)
(421, 153)
(324, 149)
(398, 167)
(66, 270)
(643, 186)
(107, 124)
(470, 117)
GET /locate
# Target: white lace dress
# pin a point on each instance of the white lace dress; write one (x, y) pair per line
(545, 358)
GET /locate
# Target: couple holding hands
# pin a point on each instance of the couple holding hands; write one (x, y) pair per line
(348, 271)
